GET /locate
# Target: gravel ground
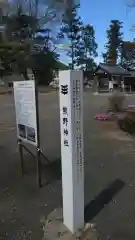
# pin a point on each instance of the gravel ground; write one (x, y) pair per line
(109, 173)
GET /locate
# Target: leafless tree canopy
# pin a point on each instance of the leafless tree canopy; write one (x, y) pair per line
(46, 11)
(130, 3)
(40, 7)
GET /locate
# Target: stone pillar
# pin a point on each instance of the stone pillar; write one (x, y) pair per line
(96, 84)
(110, 84)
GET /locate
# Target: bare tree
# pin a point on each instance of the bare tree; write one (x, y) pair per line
(45, 10)
(130, 3)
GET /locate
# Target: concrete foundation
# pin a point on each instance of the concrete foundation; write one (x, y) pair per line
(55, 230)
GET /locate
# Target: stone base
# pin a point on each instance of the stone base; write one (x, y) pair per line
(55, 230)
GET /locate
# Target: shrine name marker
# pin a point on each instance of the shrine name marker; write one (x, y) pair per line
(71, 121)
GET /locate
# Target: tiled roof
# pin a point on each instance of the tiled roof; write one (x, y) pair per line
(132, 73)
(113, 69)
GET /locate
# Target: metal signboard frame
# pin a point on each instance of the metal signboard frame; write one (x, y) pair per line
(22, 141)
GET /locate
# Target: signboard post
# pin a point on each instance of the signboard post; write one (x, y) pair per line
(27, 119)
(71, 119)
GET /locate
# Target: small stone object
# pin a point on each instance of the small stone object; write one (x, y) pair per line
(87, 226)
(108, 237)
(92, 225)
(101, 165)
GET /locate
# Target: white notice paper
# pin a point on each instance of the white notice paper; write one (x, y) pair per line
(25, 107)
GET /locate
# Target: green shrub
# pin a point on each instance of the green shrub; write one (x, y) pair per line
(127, 124)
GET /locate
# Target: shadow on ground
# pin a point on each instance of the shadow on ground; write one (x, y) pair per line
(96, 205)
(50, 171)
